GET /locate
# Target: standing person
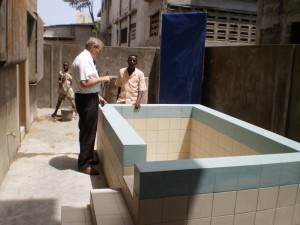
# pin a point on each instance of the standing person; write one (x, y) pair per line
(131, 83)
(65, 88)
(86, 84)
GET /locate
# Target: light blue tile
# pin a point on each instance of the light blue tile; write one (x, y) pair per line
(280, 148)
(151, 185)
(128, 111)
(249, 177)
(270, 175)
(133, 154)
(203, 181)
(290, 173)
(186, 111)
(145, 167)
(152, 111)
(201, 116)
(175, 111)
(164, 112)
(118, 108)
(226, 179)
(177, 182)
(141, 113)
(258, 142)
(137, 180)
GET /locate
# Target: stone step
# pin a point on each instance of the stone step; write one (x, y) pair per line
(108, 207)
(76, 215)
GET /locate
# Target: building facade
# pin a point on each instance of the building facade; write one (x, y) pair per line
(279, 22)
(69, 33)
(138, 23)
(21, 68)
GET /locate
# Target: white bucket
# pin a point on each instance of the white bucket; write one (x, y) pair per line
(67, 114)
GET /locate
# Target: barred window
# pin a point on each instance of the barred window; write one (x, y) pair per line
(124, 35)
(133, 31)
(231, 27)
(154, 24)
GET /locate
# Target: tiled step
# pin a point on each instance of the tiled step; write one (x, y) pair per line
(76, 215)
(108, 207)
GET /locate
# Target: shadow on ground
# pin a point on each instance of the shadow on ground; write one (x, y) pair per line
(63, 163)
(26, 212)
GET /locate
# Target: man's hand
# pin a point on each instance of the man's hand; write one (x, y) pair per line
(105, 79)
(137, 105)
(102, 101)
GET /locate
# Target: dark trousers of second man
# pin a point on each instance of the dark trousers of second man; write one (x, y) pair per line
(87, 107)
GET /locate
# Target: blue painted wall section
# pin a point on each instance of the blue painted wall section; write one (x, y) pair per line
(182, 52)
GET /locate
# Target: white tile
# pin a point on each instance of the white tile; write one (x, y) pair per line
(287, 195)
(267, 198)
(200, 206)
(71, 208)
(150, 211)
(174, 135)
(224, 203)
(265, 217)
(284, 215)
(73, 216)
(246, 201)
(151, 136)
(298, 196)
(163, 124)
(105, 209)
(222, 220)
(175, 123)
(296, 216)
(163, 135)
(203, 221)
(110, 220)
(140, 124)
(73, 223)
(175, 208)
(103, 195)
(244, 219)
(152, 124)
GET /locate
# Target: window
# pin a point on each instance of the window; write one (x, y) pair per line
(124, 35)
(109, 37)
(133, 31)
(230, 27)
(295, 33)
(154, 24)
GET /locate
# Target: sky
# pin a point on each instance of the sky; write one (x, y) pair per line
(54, 12)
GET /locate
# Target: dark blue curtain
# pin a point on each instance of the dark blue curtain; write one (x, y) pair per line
(182, 52)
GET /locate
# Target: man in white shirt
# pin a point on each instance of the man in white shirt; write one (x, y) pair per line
(86, 85)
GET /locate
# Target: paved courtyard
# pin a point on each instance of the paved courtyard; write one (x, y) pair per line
(43, 176)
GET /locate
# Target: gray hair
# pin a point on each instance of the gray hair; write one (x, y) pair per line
(93, 41)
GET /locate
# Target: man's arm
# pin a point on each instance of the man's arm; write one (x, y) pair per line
(92, 82)
(102, 100)
(118, 93)
(137, 104)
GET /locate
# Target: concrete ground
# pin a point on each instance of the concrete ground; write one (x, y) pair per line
(43, 177)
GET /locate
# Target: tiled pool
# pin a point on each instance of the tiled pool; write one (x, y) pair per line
(189, 164)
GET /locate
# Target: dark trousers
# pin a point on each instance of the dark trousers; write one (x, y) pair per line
(87, 108)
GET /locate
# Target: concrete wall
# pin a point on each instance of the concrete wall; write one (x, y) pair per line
(20, 47)
(275, 21)
(257, 84)
(68, 34)
(110, 62)
(229, 22)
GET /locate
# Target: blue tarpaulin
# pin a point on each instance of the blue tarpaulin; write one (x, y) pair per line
(182, 52)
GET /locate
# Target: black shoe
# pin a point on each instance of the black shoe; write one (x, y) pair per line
(95, 162)
(89, 170)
